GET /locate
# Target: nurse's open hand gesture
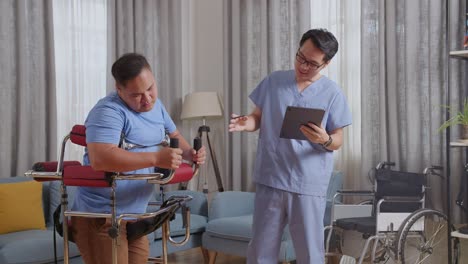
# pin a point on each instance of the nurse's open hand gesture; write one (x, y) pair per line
(247, 123)
(238, 123)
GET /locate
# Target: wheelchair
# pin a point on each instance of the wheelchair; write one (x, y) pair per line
(393, 220)
(72, 173)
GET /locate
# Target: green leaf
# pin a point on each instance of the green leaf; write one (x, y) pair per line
(458, 117)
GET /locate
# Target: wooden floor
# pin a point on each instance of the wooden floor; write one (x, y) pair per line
(195, 256)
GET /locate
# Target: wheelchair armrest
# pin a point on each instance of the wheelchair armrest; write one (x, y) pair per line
(401, 199)
(356, 192)
(351, 193)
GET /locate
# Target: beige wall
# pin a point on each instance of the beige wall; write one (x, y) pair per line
(207, 45)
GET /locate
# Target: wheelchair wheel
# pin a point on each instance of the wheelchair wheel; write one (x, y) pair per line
(422, 238)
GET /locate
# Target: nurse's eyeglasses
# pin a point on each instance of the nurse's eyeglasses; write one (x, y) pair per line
(309, 64)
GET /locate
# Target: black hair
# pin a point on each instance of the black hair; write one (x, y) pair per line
(322, 39)
(128, 66)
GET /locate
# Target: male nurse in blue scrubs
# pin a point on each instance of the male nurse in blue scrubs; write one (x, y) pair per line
(291, 175)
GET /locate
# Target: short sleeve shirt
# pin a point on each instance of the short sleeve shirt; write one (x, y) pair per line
(106, 123)
(298, 166)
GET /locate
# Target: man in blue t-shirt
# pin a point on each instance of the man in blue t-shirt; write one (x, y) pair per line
(135, 113)
(291, 175)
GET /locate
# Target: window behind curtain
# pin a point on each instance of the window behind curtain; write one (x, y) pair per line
(80, 39)
(343, 19)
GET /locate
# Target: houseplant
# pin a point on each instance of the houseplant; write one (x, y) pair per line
(458, 118)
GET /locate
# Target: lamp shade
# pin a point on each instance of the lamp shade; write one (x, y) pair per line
(201, 105)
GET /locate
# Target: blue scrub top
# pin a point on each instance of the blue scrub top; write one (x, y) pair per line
(298, 166)
(108, 119)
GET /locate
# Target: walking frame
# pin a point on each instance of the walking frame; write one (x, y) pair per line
(72, 173)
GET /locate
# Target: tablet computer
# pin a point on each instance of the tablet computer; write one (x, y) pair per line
(295, 117)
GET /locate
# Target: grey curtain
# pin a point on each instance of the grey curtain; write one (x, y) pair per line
(27, 90)
(262, 36)
(404, 83)
(152, 28)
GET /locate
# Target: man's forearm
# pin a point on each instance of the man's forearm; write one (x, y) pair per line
(253, 121)
(108, 158)
(337, 139)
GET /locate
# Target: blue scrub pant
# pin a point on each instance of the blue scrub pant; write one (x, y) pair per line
(274, 209)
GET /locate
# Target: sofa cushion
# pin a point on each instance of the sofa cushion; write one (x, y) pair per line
(21, 206)
(197, 225)
(236, 228)
(45, 191)
(32, 246)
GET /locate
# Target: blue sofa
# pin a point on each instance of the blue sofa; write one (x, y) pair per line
(229, 228)
(36, 246)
